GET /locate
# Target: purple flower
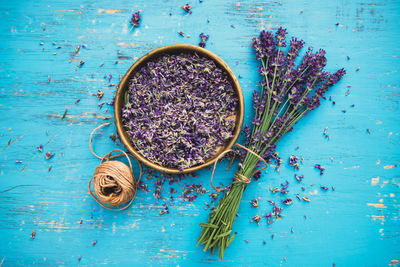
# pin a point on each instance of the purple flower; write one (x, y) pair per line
(164, 210)
(49, 155)
(40, 148)
(293, 162)
(256, 219)
(288, 91)
(284, 188)
(203, 38)
(275, 213)
(287, 201)
(135, 20)
(254, 203)
(295, 46)
(299, 177)
(320, 168)
(280, 37)
(329, 82)
(187, 8)
(99, 94)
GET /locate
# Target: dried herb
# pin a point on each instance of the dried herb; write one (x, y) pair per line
(284, 189)
(299, 177)
(49, 155)
(320, 168)
(99, 94)
(288, 93)
(274, 215)
(254, 203)
(187, 8)
(165, 210)
(179, 109)
(65, 114)
(135, 20)
(287, 201)
(256, 219)
(203, 38)
(293, 162)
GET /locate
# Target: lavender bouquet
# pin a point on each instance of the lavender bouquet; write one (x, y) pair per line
(288, 92)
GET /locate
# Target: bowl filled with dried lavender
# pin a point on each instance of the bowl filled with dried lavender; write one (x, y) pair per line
(178, 108)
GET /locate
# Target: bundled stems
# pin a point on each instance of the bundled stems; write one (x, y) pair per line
(287, 94)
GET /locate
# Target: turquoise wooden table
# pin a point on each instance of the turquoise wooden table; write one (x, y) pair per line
(356, 224)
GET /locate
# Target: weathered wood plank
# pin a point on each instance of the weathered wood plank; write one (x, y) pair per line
(355, 225)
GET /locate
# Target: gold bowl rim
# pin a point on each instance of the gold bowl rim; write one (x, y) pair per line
(124, 83)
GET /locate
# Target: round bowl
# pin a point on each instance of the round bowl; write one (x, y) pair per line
(175, 49)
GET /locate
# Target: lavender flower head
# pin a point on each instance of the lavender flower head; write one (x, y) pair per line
(203, 38)
(135, 20)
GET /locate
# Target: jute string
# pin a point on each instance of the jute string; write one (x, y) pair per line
(238, 177)
(114, 182)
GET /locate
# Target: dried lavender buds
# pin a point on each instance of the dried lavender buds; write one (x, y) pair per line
(179, 109)
(135, 20)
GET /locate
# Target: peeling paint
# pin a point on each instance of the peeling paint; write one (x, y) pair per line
(377, 205)
(387, 167)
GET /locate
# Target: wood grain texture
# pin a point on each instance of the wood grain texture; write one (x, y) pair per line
(355, 225)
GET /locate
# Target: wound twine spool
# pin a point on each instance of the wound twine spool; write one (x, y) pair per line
(114, 181)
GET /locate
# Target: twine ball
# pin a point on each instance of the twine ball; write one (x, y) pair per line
(114, 183)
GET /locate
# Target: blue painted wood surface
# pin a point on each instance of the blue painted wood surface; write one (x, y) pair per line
(355, 225)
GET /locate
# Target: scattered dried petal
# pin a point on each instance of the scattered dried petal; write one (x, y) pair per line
(256, 219)
(187, 8)
(254, 203)
(287, 201)
(320, 168)
(99, 94)
(135, 19)
(49, 155)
